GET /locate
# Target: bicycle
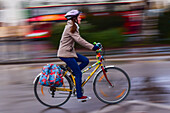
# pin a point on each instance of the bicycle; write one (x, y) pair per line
(111, 85)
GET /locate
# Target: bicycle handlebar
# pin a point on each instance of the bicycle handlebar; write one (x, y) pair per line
(99, 45)
(98, 51)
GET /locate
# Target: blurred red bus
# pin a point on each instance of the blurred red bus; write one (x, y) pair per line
(39, 30)
(132, 11)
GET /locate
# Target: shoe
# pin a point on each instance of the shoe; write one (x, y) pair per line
(83, 98)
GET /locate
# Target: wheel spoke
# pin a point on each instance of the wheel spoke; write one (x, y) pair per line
(111, 87)
(53, 96)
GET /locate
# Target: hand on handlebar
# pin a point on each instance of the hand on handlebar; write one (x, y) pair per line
(97, 46)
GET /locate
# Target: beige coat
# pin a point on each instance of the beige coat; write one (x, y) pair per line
(67, 42)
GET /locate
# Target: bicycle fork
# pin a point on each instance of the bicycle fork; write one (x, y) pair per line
(105, 75)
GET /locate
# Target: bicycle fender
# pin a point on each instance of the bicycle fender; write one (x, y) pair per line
(101, 70)
(36, 78)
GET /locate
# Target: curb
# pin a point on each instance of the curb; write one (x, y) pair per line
(113, 58)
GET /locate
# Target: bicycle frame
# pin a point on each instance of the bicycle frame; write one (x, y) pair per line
(97, 64)
(103, 79)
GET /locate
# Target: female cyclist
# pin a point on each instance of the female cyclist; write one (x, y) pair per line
(67, 53)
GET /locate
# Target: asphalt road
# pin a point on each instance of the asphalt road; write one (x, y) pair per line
(150, 82)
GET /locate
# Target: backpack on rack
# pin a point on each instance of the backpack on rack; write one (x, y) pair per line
(51, 75)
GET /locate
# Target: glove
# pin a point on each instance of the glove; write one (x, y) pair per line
(95, 47)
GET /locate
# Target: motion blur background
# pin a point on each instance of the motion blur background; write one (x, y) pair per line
(31, 29)
(135, 35)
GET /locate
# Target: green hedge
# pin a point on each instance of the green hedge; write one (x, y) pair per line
(104, 29)
(105, 22)
(56, 34)
(109, 38)
(164, 26)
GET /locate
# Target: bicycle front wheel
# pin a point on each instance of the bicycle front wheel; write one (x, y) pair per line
(112, 88)
(53, 96)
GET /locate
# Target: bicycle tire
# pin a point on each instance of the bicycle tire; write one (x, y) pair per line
(108, 94)
(46, 98)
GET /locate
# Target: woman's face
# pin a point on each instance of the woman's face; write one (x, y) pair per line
(79, 19)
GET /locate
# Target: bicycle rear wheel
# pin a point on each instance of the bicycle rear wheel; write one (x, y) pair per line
(53, 96)
(120, 85)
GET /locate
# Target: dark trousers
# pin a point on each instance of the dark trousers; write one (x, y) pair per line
(72, 63)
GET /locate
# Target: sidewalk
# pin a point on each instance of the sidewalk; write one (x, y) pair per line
(125, 54)
(135, 106)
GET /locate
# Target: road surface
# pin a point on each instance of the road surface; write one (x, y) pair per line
(150, 83)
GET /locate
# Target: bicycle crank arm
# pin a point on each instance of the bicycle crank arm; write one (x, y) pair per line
(62, 89)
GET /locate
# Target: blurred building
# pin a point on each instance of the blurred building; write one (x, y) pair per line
(11, 12)
(12, 21)
(14, 14)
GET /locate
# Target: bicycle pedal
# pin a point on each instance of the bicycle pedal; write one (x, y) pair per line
(83, 101)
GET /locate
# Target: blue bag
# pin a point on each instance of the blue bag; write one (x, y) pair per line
(51, 75)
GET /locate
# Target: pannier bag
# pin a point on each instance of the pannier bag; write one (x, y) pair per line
(51, 75)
